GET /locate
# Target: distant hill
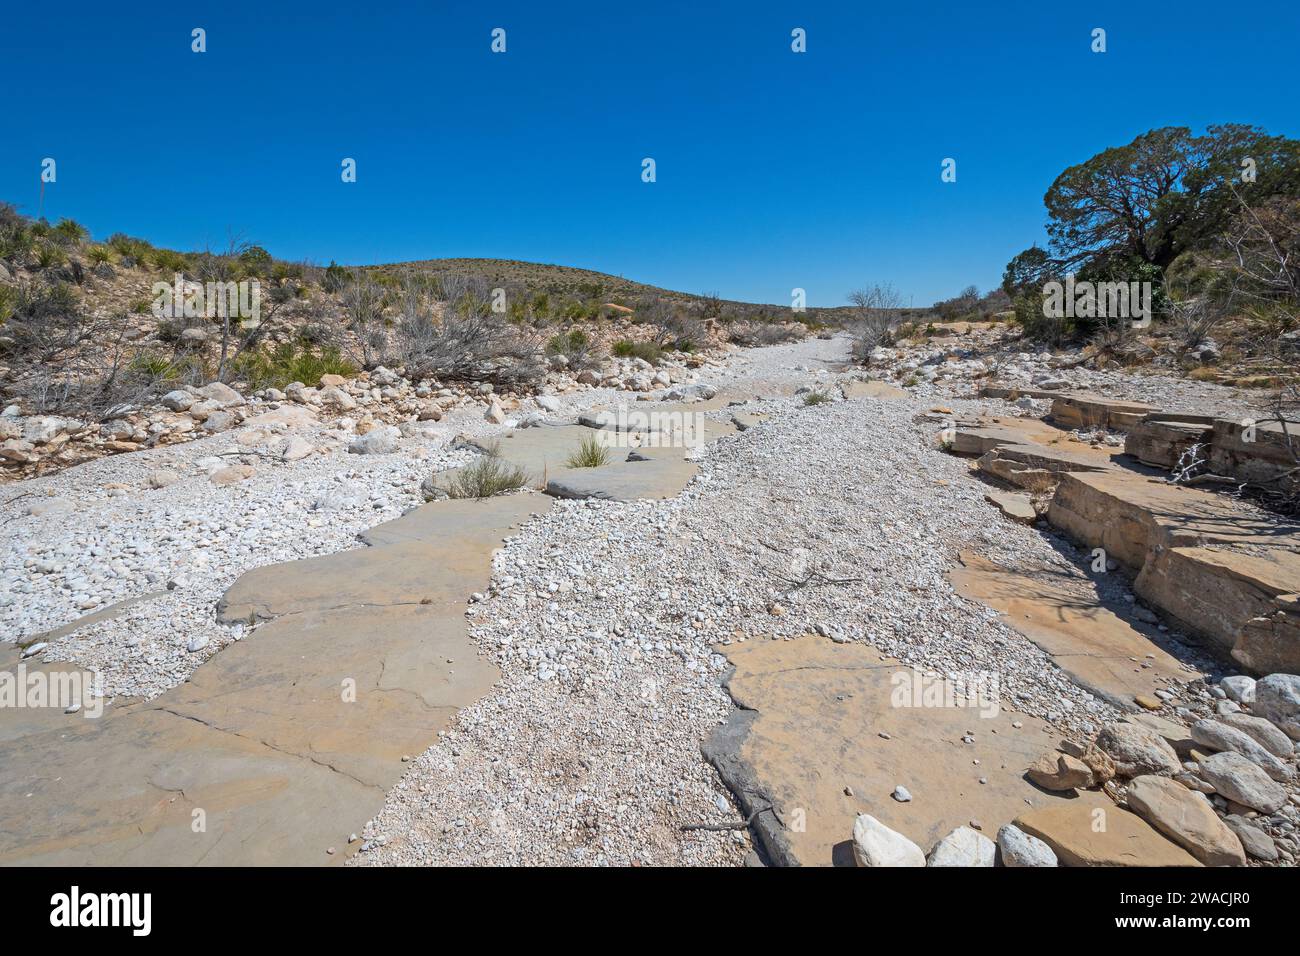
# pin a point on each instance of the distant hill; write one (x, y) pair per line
(563, 281)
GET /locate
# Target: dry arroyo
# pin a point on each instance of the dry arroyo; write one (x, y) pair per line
(814, 638)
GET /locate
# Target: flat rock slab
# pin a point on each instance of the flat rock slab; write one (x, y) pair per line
(1086, 410)
(286, 741)
(1031, 441)
(1014, 506)
(661, 471)
(813, 714)
(423, 557)
(1099, 650)
(1092, 831)
(871, 389)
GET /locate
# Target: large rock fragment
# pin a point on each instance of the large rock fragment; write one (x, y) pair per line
(1235, 777)
(963, 847)
(1220, 736)
(1187, 818)
(1137, 750)
(1018, 848)
(874, 844)
(1277, 699)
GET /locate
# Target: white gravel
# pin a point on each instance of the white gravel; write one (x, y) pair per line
(603, 617)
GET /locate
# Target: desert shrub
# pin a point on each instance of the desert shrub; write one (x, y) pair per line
(1038, 327)
(276, 368)
(64, 359)
(646, 351)
(69, 232)
(759, 334)
(256, 260)
(470, 343)
(816, 398)
(49, 255)
(335, 277)
(316, 333)
(16, 241)
(167, 260)
(876, 313)
(8, 302)
(590, 454)
(576, 346)
(682, 333)
(133, 252)
(100, 255)
(153, 365)
(488, 476)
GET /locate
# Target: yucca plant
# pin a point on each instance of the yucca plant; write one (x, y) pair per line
(69, 232)
(48, 256)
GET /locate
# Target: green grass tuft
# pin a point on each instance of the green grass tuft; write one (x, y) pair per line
(590, 454)
(489, 476)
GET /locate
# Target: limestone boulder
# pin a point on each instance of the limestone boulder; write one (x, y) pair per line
(1059, 772)
(1277, 699)
(1214, 735)
(875, 844)
(1187, 818)
(1018, 848)
(1239, 780)
(963, 847)
(1137, 750)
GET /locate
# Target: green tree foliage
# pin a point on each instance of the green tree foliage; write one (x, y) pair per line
(1162, 193)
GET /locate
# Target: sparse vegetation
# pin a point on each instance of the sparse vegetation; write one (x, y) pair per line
(486, 477)
(646, 351)
(577, 349)
(590, 454)
(816, 398)
(877, 312)
(276, 368)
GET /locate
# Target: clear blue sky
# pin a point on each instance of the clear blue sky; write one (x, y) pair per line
(775, 169)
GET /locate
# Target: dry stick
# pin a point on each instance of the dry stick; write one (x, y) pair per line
(818, 579)
(743, 824)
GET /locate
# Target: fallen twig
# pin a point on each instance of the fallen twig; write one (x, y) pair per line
(817, 579)
(739, 825)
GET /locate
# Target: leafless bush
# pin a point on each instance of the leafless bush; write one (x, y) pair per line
(62, 359)
(758, 334)
(470, 343)
(877, 311)
(363, 307)
(1193, 319)
(678, 328)
(579, 351)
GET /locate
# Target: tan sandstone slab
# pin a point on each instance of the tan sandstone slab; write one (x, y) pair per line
(1099, 650)
(1092, 831)
(286, 741)
(871, 389)
(814, 713)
